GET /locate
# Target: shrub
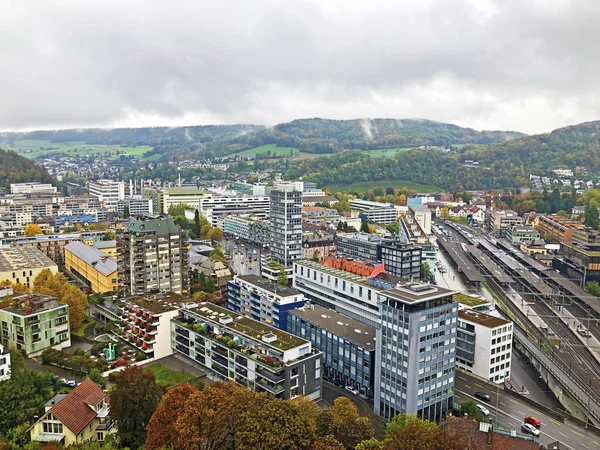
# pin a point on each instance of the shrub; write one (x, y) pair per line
(121, 363)
(140, 356)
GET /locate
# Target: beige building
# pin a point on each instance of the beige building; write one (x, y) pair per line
(23, 264)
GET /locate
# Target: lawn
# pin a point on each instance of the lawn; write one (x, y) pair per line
(168, 376)
(285, 151)
(364, 186)
(33, 148)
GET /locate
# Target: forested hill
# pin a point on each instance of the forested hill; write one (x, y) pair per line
(327, 136)
(501, 165)
(18, 169)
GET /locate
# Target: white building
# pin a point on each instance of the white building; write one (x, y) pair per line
(4, 363)
(107, 191)
(215, 207)
(422, 216)
(484, 345)
(376, 211)
(563, 172)
(31, 188)
(136, 206)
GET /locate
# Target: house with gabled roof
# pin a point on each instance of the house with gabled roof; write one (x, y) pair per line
(79, 416)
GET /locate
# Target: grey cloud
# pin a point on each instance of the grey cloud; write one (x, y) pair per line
(494, 64)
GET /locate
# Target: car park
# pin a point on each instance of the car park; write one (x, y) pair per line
(483, 409)
(532, 421)
(482, 396)
(528, 428)
(352, 390)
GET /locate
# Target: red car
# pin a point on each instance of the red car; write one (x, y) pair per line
(533, 421)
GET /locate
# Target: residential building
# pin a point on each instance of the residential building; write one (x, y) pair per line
(402, 260)
(377, 212)
(318, 244)
(258, 205)
(153, 256)
(586, 235)
(80, 416)
(145, 322)
(248, 352)
(410, 232)
(422, 216)
(561, 228)
(359, 245)
(342, 285)
(33, 323)
(484, 345)
(94, 268)
(248, 228)
(517, 234)
(107, 191)
(107, 247)
(252, 189)
(23, 264)
(348, 345)
(435, 208)
(219, 214)
(31, 188)
(217, 272)
(263, 300)
(415, 354)
(497, 220)
(534, 247)
(53, 246)
(471, 434)
(286, 224)
(566, 173)
(135, 207)
(4, 363)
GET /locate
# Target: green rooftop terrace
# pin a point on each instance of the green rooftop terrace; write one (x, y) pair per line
(247, 327)
(468, 300)
(154, 303)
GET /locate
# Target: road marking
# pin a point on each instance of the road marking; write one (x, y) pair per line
(537, 412)
(511, 400)
(583, 445)
(596, 442)
(554, 421)
(576, 432)
(521, 412)
(512, 424)
(462, 378)
(560, 432)
(503, 404)
(477, 384)
(468, 387)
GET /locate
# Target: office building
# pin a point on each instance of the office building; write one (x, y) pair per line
(23, 264)
(402, 260)
(248, 228)
(92, 267)
(342, 285)
(286, 224)
(348, 345)
(210, 207)
(33, 323)
(250, 353)
(422, 215)
(484, 345)
(153, 256)
(410, 231)
(53, 245)
(518, 234)
(252, 189)
(4, 363)
(135, 207)
(263, 300)
(145, 322)
(498, 220)
(359, 245)
(188, 196)
(107, 191)
(31, 188)
(377, 212)
(415, 354)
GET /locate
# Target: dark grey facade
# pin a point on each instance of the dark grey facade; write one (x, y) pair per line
(358, 245)
(415, 356)
(401, 260)
(348, 346)
(286, 225)
(252, 354)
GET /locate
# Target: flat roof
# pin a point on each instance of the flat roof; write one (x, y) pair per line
(333, 321)
(93, 257)
(247, 327)
(20, 258)
(482, 319)
(468, 300)
(156, 303)
(267, 285)
(105, 244)
(29, 305)
(153, 225)
(414, 292)
(419, 208)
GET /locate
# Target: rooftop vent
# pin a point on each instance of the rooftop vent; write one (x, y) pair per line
(225, 319)
(357, 331)
(269, 337)
(420, 287)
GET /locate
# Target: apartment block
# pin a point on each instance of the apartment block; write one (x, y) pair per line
(153, 257)
(377, 212)
(94, 268)
(80, 416)
(215, 270)
(107, 191)
(484, 345)
(249, 228)
(135, 207)
(497, 221)
(348, 345)
(250, 353)
(561, 228)
(23, 264)
(33, 323)
(263, 300)
(214, 207)
(402, 260)
(415, 354)
(286, 224)
(145, 322)
(517, 234)
(4, 363)
(318, 244)
(178, 196)
(359, 245)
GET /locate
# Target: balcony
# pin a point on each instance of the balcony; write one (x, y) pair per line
(182, 349)
(48, 437)
(221, 351)
(183, 341)
(220, 370)
(268, 386)
(276, 377)
(241, 361)
(182, 331)
(220, 360)
(241, 371)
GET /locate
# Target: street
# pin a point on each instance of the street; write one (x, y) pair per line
(511, 411)
(242, 262)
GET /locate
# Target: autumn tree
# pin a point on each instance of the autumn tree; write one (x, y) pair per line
(32, 229)
(327, 443)
(161, 428)
(444, 212)
(343, 422)
(133, 400)
(218, 255)
(18, 288)
(408, 432)
(57, 286)
(201, 297)
(215, 234)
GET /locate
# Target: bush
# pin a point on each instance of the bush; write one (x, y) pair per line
(140, 356)
(71, 361)
(121, 363)
(112, 377)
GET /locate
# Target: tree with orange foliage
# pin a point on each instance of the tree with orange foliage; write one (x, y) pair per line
(343, 422)
(161, 428)
(57, 286)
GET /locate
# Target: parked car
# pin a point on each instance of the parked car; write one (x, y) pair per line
(70, 383)
(528, 428)
(483, 409)
(352, 390)
(532, 421)
(482, 396)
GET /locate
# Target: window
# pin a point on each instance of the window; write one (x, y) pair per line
(295, 371)
(99, 436)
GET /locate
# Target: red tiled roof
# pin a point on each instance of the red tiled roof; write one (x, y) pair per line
(74, 411)
(466, 432)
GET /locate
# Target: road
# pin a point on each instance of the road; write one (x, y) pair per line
(243, 263)
(511, 411)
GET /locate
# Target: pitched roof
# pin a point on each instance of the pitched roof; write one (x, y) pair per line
(93, 257)
(76, 411)
(467, 432)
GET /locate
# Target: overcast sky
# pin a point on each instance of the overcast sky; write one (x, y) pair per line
(530, 66)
